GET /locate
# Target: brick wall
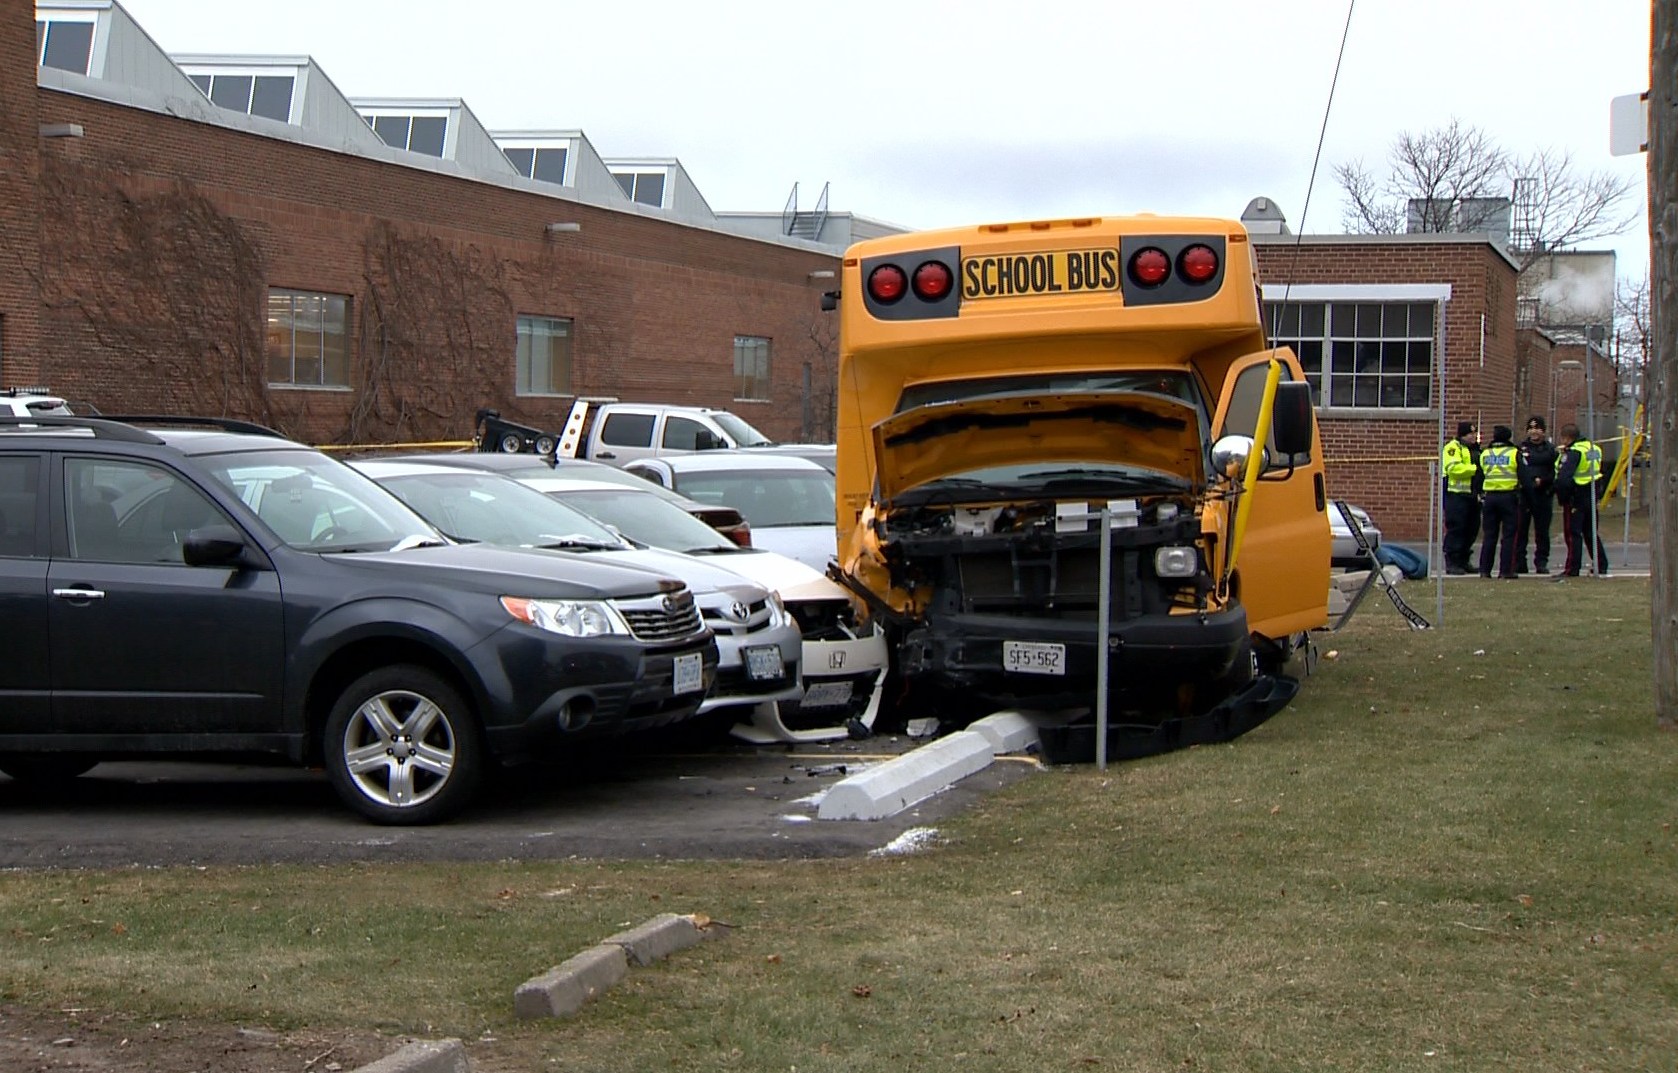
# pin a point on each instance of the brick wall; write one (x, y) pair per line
(19, 167)
(1381, 463)
(165, 233)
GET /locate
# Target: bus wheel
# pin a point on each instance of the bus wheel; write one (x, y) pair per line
(401, 747)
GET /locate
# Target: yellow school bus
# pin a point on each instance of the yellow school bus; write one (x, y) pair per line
(1001, 389)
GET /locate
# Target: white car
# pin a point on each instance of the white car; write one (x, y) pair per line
(759, 644)
(31, 402)
(788, 501)
(844, 660)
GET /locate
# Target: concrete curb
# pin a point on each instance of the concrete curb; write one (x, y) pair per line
(423, 1056)
(565, 989)
(658, 938)
(1008, 732)
(891, 787)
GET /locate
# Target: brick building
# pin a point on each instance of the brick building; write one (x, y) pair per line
(232, 235)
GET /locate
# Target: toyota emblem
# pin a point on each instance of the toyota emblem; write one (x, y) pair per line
(740, 611)
(670, 604)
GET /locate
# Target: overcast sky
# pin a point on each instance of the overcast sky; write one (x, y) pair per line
(929, 114)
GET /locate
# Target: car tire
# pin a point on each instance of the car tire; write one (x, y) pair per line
(45, 769)
(401, 746)
(546, 445)
(511, 443)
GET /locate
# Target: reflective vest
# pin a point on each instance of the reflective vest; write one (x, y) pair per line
(1457, 463)
(1590, 461)
(1497, 462)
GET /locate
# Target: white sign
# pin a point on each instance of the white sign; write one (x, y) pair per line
(1628, 124)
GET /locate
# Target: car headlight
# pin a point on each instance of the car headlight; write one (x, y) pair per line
(568, 618)
(778, 613)
(1176, 562)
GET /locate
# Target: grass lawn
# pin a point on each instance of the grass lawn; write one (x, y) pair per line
(1453, 852)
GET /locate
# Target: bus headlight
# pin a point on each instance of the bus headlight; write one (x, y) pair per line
(1176, 562)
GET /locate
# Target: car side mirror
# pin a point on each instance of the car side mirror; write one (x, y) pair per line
(706, 440)
(213, 545)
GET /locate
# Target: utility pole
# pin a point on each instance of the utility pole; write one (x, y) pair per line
(1663, 312)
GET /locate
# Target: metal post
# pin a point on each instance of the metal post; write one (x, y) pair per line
(1590, 423)
(1103, 622)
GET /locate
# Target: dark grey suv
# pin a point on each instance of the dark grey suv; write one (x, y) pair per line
(174, 587)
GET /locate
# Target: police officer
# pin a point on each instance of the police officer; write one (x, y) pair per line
(1535, 470)
(1498, 507)
(1578, 465)
(1458, 463)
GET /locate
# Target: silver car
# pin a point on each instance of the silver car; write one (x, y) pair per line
(1345, 554)
(759, 644)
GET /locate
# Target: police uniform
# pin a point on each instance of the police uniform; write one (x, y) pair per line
(1457, 464)
(1535, 471)
(1577, 468)
(1498, 507)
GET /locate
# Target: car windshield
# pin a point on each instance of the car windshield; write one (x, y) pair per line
(743, 434)
(316, 503)
(645, 517)
(768, 499)
(492, 509)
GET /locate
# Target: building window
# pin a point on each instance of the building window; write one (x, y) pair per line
(414, 133)
(544, 356)
(642, 187)
(308, 339)
(544, 163)
(1376, 355)
(64, 44)
(751, 367)
(253, 94)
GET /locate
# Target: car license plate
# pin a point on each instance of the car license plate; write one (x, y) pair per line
(1030, 657)
(690, 673)
(826, 694)
(763, 662)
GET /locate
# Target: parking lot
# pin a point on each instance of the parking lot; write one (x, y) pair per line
(625, 802)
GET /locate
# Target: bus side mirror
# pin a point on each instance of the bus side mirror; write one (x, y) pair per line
(1290, 420)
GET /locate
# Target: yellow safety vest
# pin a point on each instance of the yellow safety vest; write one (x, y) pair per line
(1590, 461)
(1457, 463)
(1497, 462)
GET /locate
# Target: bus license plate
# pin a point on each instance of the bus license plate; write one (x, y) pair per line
(1029, 657)
(763, 662)
(690, 673)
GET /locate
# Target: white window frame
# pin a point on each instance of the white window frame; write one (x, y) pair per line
(639, 170)
(95, 45)
(445, 114)
(747, 350)
(539, 144)
(1330, 295)
(522, 360)
(349, 343)
(214, 71)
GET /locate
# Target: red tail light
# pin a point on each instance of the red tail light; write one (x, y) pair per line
(886, 284)
(1198, 264)
(1150, 267)
(932, 281)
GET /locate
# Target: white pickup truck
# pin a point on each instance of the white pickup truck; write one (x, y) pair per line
(621, 432)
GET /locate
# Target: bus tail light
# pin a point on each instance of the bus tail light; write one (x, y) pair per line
(886, 284)
(932, 281)
(1197, 264)
(1150, 267)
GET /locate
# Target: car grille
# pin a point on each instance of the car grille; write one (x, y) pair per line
(672, 617)
(722, 619)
